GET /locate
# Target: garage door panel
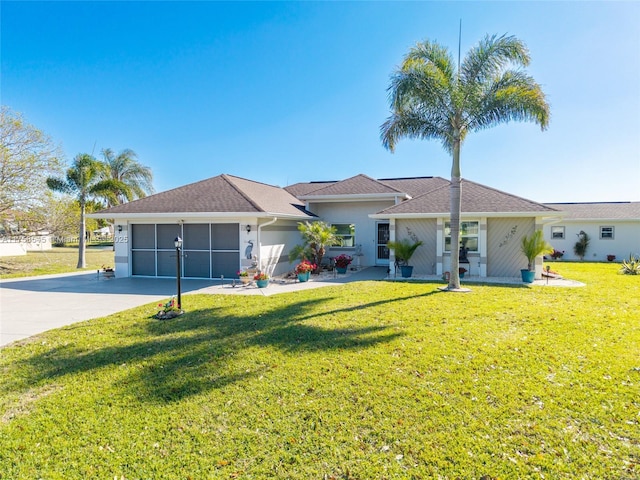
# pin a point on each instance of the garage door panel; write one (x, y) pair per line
(167, 234)
(196, 237)
(196, 264)
(224, 263)
(225, 236)
(143, 263)
(143, 236)
(167, 263)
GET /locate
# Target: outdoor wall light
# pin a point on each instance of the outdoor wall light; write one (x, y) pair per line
(119, 228)
(178, 242)
(248, 228)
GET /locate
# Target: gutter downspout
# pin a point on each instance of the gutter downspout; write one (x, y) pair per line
(271, 222)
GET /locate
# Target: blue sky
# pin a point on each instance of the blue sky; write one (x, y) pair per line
(283, 92)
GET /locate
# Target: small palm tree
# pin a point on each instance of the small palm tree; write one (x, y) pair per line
(534, 246)
(84, 181)
(432, 98)
(403, 250)
(317, 236)
(131, 179)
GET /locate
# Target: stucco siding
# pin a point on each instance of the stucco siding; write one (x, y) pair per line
(358, 215)
(504, 235)
(277, 240)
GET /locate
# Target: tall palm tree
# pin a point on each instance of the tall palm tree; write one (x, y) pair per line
(84, 181)
(432, 98)
(134, 180)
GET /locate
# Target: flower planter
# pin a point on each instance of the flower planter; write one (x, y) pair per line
(406, 271)
(262, 283)
(108, 273)
(341, 269)
(245, 280)
(461, 275)
(528, 276)
(304, 277)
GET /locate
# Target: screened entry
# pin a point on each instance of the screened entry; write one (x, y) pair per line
(209, 250)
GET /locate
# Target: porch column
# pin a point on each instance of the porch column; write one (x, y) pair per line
(439, 246)
(392, 238)
(482, 241)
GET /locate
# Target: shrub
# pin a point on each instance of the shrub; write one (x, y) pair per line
(580, 248)
(631, 266)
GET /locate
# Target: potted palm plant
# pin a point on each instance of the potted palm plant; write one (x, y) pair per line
(532, 247)
(403, 251)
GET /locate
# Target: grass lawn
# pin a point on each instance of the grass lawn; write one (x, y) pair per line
(367, 380)
(56, 260)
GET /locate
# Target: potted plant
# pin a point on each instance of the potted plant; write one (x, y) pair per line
(262, 279)
(108, 272)
(243, 275)
(462, 271)
(532, 247)
(403, 251)
(556, 254)
(304, 269)
(342, 262)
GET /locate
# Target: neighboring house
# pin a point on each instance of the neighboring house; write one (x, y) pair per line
(228, 223)
(613, 227)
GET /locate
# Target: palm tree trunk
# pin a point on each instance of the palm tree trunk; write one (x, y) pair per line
(456, 194)
(82, 263)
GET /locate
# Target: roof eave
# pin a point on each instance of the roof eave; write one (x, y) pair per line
(354, 197)
(147, 215)
(465, 215)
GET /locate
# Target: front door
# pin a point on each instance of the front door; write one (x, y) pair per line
(382, 237)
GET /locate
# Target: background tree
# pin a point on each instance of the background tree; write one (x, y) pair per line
(84, 181)
(432, 98)
(132, 180)
(27, 158)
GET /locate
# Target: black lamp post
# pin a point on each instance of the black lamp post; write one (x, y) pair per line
(178, 243)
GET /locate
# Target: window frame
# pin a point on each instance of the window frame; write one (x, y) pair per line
(561, 229)
(352, 233)
(610, 236)
(476, 236)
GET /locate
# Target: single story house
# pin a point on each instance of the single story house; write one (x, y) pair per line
(613, 229)
(228, 223)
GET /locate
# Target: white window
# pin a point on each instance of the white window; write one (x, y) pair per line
(346, 232)
(557, 232)
(468, 236)
(606, 233)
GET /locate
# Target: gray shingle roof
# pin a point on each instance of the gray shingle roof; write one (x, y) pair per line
(358, 185)
(412, 186)
(221, 194)
(599, 210)
(476, 198)
(304, 188)
(415, 186)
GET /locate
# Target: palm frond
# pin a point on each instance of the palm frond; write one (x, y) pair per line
(490, 56)
(512, 96)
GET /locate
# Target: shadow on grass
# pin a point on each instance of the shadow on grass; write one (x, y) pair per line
(202, 349)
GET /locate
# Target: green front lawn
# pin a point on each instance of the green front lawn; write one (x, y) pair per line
(56, 260)
(368, 380)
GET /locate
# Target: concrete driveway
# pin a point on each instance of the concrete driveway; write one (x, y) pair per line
(36, 304)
